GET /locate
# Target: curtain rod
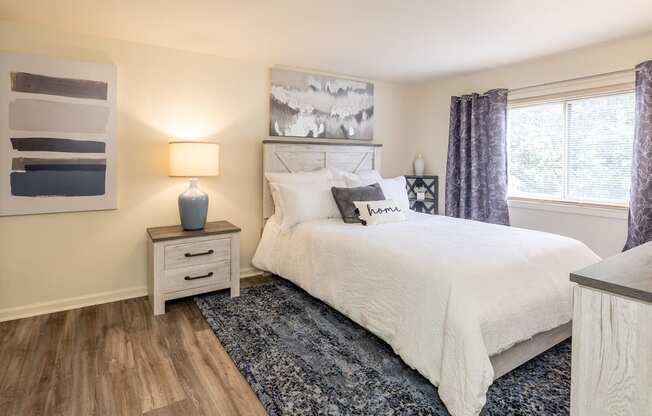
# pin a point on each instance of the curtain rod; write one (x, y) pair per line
(547, 84)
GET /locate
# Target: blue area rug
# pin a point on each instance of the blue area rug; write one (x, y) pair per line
(302, 357)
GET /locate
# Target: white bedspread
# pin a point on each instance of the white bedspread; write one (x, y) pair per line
(445, 293)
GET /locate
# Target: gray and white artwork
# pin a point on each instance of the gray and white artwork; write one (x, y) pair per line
(57, 135)
(309, 105)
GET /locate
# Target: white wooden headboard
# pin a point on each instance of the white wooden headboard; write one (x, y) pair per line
(295, 156)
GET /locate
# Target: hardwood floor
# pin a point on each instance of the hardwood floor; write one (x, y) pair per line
(118, 359)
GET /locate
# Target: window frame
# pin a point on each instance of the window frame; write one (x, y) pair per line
(570, 204)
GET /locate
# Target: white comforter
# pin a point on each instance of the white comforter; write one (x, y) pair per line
(445, 293)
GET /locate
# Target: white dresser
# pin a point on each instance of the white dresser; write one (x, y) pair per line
(184, 263)
(612, 336)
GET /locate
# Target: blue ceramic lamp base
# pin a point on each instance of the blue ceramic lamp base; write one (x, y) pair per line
(193, 207)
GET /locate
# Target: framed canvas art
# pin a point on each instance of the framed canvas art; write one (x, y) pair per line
(57, 135)
(311, 105)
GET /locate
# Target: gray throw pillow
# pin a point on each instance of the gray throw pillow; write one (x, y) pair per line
(344, 198)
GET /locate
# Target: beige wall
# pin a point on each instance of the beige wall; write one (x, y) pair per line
(428, 121)
(162, 94)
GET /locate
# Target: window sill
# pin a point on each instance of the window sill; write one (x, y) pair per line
(566, 207)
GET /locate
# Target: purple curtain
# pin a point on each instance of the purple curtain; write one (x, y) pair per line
(476, 172)
(639, 228)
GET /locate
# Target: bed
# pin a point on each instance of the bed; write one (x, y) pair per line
(460, 301)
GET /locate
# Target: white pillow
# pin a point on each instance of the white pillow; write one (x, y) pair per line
(355, 181)
(318, 176)
(339, 174)
(371, 175)
(394, 188)
(342, 175)
(379, 212)
(301, 202)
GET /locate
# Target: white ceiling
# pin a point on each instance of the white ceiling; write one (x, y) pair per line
(391, 40)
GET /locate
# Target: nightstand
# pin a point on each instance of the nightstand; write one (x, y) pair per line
(423, 193)
(185, 263)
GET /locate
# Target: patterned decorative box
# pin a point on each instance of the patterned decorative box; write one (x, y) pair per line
(423, 193)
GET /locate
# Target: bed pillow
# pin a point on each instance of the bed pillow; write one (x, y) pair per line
(342, 175)
(344, 198)
(370, 176)
(379, 212)
(394, 188)
(301, 202)
(318, 176)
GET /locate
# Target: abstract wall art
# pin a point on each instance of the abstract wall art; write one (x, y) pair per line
(57, 135)
(319, 106)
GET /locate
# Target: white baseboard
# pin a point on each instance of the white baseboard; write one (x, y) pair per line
(249, 271)
(41, 308)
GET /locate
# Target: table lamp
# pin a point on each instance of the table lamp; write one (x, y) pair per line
(193, 159)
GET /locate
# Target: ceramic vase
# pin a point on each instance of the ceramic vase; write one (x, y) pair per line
(419, 165)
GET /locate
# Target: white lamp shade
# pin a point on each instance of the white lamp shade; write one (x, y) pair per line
(194, 159)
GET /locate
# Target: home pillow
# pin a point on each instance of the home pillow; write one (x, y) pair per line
(379, 212)
(318, 176)
(394, 188)
(301, 202)
(344, 198)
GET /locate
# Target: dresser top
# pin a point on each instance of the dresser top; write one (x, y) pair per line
(626, 274)
(174, 232)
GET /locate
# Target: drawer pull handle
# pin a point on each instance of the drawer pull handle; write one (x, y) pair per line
(209, 274)
(205, 253)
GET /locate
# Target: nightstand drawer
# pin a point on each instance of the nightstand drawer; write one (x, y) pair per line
(178, 279)
(201, 252)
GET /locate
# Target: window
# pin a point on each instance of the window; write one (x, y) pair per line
(576, 150)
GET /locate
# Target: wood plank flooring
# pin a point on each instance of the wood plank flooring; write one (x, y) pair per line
(118, 359)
